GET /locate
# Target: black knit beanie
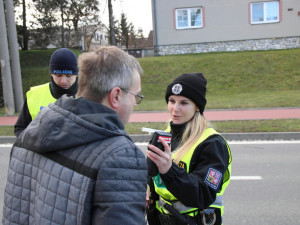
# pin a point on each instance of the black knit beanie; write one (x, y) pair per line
(189, 85)
(63, 61)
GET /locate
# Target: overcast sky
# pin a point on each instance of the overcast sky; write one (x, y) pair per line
(138, 12)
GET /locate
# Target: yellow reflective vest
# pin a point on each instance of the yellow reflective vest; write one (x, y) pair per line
(39, 97)
(166, 197)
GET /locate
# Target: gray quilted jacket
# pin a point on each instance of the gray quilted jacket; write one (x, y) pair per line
(75, 164)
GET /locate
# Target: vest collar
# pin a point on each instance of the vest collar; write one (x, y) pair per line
(58, 91)
(177, 132)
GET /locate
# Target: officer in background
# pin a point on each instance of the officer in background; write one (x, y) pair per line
(63, 70)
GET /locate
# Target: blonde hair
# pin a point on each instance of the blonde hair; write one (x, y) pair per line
(193, 131)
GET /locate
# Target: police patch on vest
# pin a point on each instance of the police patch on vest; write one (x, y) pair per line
(213, 178)
(182, 165)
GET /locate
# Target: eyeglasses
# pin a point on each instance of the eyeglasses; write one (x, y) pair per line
(138, 98)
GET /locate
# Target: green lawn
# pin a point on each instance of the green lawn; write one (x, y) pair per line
(235, 80)
(244, 126)
(240, 126)
(251, 79)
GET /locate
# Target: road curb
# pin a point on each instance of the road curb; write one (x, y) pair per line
(263, 136)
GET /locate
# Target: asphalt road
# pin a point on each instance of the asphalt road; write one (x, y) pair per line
(275, 199)
(264, 187)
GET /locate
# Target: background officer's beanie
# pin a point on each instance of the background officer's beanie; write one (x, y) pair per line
(63, 61)
(189, 85)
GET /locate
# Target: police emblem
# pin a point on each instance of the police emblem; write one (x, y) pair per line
(182, 165)
(213, 178)
(177, 89)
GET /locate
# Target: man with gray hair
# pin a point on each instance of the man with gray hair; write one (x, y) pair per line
(75, 164)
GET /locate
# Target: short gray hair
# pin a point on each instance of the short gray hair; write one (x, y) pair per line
(104, 69)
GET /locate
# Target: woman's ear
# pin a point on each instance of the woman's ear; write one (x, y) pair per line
(115, 97)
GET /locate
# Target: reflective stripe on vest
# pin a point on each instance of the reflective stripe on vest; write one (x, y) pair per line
(39, 97)
(167, 197)
(182, 208)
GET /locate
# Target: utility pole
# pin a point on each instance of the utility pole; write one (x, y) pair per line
(14, 55)
(5, 66)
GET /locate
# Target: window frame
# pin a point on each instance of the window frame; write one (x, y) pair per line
(96, 37)
(189, 20)
(264, 12)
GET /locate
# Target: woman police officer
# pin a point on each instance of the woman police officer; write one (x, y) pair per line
(195, 170)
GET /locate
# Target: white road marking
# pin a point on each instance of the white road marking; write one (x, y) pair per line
(230, 143)
(263, 142)
(243, 142)
(246, 178)
(5, 145)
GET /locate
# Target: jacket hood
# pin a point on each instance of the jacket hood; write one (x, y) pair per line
(70, 123)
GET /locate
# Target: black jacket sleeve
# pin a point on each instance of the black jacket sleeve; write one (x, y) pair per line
(23, 120)
(193, 189)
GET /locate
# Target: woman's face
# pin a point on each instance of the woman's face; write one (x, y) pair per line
(181, 109)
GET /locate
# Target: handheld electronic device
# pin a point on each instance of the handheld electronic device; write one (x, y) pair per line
(160, 134)
(152, 168)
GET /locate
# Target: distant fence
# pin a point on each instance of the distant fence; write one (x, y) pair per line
(140, 53)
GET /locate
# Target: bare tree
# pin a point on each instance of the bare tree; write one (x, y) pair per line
(112, 34)
(67, 12)
(23, 30)
(82, 14)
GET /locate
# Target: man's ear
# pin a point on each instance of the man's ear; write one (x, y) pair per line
(114, 97)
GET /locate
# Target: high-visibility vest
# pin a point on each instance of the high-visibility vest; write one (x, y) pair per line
(39, 97)
(166, 197)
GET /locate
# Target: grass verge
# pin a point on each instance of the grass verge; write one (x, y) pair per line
(249, 79)
(239, 126)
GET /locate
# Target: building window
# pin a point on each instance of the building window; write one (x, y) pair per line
(96, 37)
(265, 12)
(188, 18)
